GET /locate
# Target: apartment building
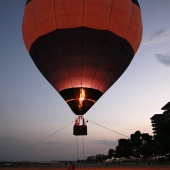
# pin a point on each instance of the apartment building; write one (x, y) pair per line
(160, 120)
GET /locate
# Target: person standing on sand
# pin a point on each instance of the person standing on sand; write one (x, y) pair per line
(73, 166)
(69, 166)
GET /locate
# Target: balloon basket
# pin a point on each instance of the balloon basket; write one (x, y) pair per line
(80, 127)
(80, 130)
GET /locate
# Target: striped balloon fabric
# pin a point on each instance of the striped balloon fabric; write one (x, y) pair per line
(82, 47)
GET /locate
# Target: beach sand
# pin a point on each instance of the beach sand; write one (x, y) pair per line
(128, 166)
(94, 168)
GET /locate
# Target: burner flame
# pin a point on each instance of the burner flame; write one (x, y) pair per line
(82, 97)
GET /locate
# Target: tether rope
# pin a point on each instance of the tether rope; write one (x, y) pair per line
(109, 129)
(77, 149)
(83, 148)
(38, 142)
(60, 130)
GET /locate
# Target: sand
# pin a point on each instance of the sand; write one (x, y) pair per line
(94, 168)
(128, 166)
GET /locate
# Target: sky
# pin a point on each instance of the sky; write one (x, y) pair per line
(35, 122)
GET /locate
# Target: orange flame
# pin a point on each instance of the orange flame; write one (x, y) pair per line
(82, 97)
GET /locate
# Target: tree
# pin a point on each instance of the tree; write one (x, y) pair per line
(124, 148)
(111, 153)
(147, 148)
(143, 144)
(136, 140)
(139, 144)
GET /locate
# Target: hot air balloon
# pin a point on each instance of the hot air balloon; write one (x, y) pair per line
(82, 47)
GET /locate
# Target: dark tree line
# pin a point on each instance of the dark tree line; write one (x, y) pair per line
(143, 145)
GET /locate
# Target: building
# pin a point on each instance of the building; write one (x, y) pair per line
(166, 112)
(160, 120)
(91, 159)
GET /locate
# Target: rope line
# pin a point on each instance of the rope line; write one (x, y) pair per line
(77, 149)
(83, 148)
(38, 142)
(109, 129)
(59, 131)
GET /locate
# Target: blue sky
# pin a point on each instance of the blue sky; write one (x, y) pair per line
(31, 110)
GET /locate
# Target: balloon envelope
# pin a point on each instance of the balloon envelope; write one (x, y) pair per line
(82, 46)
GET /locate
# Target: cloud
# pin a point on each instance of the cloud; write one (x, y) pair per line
(159, 36)
(11, 147)
(9, 141)
(107, 142)
(163, 58)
